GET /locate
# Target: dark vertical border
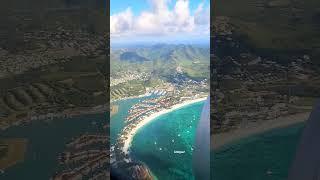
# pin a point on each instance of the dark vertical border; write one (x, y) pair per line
(212, 79)
(107, 78)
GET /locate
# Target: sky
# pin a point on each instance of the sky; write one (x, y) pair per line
(159, 21)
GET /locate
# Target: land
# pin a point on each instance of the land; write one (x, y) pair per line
(12, 152)
(53, 67)
(277, 26)
(85, 157)
(114, 110)
(139, 115)
(53, 64)
(264, 70)
(128, 136)
(223, 139)
(139, 71)
(173, 75)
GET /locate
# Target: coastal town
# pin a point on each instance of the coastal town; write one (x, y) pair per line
(53, 68)
(86, 157)
(163, 99)
(179, 84)
(47, 69)
(50, 116)
(252, 89)
(54, 47)
(139, 115)
(178, 76)
(147, 110)
(122, 77)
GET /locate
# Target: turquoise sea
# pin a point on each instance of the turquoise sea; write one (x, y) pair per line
(155, 143)
(117, 121)
(265, 156)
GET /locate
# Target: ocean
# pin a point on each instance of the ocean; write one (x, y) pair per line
(266, 156)
(262, 157)
(155, 143)
(46, 140)
(165, 145)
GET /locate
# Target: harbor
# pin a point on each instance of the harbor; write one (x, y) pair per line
(143, 112)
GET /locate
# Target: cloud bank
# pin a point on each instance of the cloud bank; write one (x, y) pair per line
(161, 20)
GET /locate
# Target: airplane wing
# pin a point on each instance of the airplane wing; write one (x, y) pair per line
(306, 165)
(201, 153)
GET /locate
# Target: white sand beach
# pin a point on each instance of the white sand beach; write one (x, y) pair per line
(127, 142)
(219, 140)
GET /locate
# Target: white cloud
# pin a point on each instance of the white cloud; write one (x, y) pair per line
(201, 15)
(121, 22)
(159, 6)
(160, 20)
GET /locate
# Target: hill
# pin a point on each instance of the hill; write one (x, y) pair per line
(132, 56)
(277, 26)
(52, 58)
(163, 60)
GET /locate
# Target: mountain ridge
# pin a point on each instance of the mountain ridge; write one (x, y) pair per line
(163, 59)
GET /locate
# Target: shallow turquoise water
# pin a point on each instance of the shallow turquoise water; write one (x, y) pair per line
(117, 122)
(249, 159)
(156, 142)
(262, 157)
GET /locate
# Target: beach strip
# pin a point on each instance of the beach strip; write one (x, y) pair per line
(222, 139)
(127, 142)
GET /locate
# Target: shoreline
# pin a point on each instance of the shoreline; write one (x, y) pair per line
(131, 134)
(130, 97)
(17, 148)
(223, 139)
(114, 110)
(67, 113)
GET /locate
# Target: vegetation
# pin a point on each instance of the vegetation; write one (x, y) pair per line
(77, 83)
(163, 59)
(131, 88)
(275, 25)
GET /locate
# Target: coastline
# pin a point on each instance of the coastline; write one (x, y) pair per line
(17, 148)
(114, 110)
(129, 138)
(222, 139)
(67, 113)
(130, 97)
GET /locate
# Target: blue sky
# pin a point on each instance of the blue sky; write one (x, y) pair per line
(172, 21)
(138, 5)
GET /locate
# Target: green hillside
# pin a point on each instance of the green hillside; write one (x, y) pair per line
(163, 59)
(274, 25)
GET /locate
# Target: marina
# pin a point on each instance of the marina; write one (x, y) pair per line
(141, 114)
